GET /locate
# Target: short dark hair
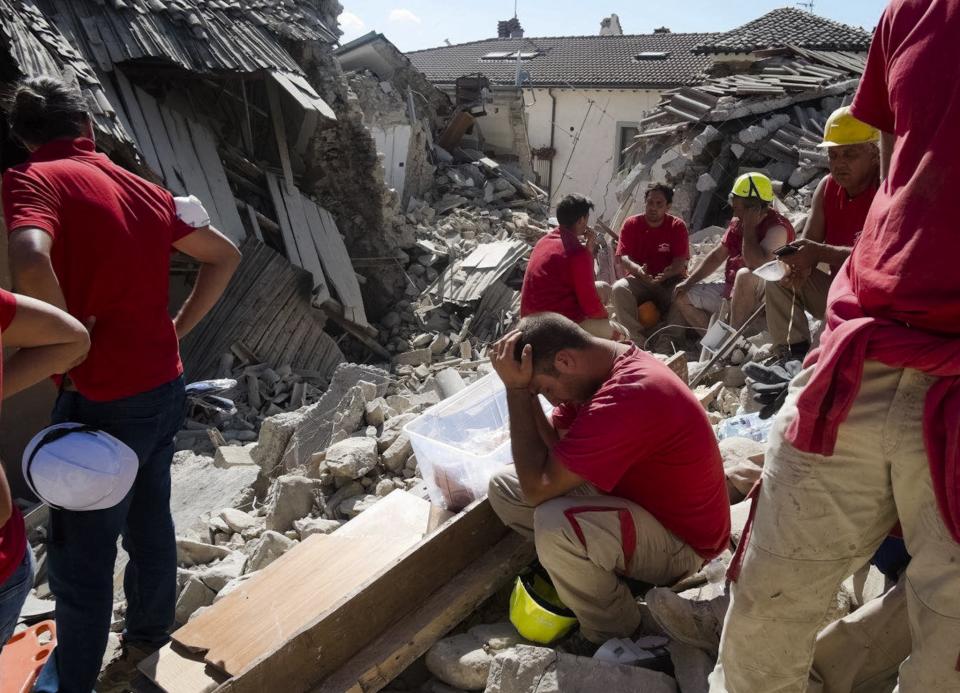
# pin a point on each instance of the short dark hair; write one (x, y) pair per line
(547, 334)
(754, 203)
(661, 188)
(573, 208)
(40, 109)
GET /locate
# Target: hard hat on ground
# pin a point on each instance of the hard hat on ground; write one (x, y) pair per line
(77, 467)
(648, 315)
(843, 128)
(537, 612)
(755, 185)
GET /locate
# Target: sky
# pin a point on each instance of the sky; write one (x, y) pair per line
(417, 24)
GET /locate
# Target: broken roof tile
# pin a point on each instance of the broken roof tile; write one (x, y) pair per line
(788, 26)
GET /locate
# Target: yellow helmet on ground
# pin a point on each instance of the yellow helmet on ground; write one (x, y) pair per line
(843, 129)
(753, 184)
(537, 612)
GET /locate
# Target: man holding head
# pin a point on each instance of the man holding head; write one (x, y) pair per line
(754, 232)
(837, 212)
(624, 480)
(560, 277)
(653, 250)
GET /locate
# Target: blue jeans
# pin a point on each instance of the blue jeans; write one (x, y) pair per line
(13, 593)
(82, 547)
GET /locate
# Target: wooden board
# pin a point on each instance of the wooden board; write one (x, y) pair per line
(380, 662)
(264, 613)
(335, 259)
(375, 603)
(177, 671)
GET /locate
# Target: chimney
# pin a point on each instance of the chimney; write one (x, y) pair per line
(661, 30)
(610, 26)
(509, 29)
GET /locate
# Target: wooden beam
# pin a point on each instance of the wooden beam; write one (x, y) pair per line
(280, 132)
(323, 647)
(376, 665)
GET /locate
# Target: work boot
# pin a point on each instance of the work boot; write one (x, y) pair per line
(696, 623)
(577, 644)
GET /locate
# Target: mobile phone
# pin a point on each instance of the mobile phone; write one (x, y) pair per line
(786, 250)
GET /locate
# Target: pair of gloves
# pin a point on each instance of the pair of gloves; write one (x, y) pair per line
(769, 384)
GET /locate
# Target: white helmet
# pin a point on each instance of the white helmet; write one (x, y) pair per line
(77, 467)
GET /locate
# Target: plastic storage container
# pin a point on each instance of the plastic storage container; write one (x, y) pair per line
(463, 441)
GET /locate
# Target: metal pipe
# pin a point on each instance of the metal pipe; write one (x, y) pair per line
(553, 125)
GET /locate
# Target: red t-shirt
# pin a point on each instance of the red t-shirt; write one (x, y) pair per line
(560, 279)
(843, 216)
(733, 240)
(112, 233)
(904, 265)
(13, 535)
(644, 437)
(654, 248)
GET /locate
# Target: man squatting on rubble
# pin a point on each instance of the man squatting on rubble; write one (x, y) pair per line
(837, 213)
(754, 232)
(867, 436)
(653, 251)
(560, 275)
(624, 480)
(93, 239)
(48, 341)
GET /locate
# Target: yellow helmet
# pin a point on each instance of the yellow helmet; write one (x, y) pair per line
(753, 184)
(843, 129)
(537, 612)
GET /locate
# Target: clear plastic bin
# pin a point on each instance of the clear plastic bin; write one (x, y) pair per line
(463, 441)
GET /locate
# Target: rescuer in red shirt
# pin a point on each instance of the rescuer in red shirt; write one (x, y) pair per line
(560, 277)
(91, 238)
(837, 212)
(625, 480)
(653, 250)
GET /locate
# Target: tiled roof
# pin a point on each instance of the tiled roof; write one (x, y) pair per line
(198, 35)
(581, 60)
(789, 26)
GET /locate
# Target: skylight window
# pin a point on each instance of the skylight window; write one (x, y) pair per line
(652, 55)
(510, 55)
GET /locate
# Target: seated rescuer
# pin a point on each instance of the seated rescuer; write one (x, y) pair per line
(754, 232)
(560, 277)
(48, 341)
(624, 480)
(654, 251)
(837, 213)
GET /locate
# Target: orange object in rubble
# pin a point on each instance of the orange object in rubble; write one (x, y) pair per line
(24, 655)
(648, 314)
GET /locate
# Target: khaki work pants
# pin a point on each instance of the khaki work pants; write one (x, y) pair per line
(629, 293)
(861, 652)
(583, 540)
(819, 519)
(811, 296)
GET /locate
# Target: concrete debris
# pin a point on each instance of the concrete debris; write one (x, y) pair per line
(352, 458)
(267, 549)
(309, 526)
(193, 553)
(218, 574)
(194, 595)
(291, 497)
(460, 661)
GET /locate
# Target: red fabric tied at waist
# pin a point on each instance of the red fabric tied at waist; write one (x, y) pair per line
(850, 339)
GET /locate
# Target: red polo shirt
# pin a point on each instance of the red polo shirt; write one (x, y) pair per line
(13, 536)
(844, 216)
(112, 234)
(733, 240)
(644, 437)
(560, 279)
(654, 248)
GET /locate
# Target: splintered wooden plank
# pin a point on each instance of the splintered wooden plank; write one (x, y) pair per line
(280, 205)
(175, 670)
(380, 662)
(222, 196)
(302, 235)
(161, 141)
(187, 163)
(263, 614)
(336, 260)
(139, 131)
(377, 602)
